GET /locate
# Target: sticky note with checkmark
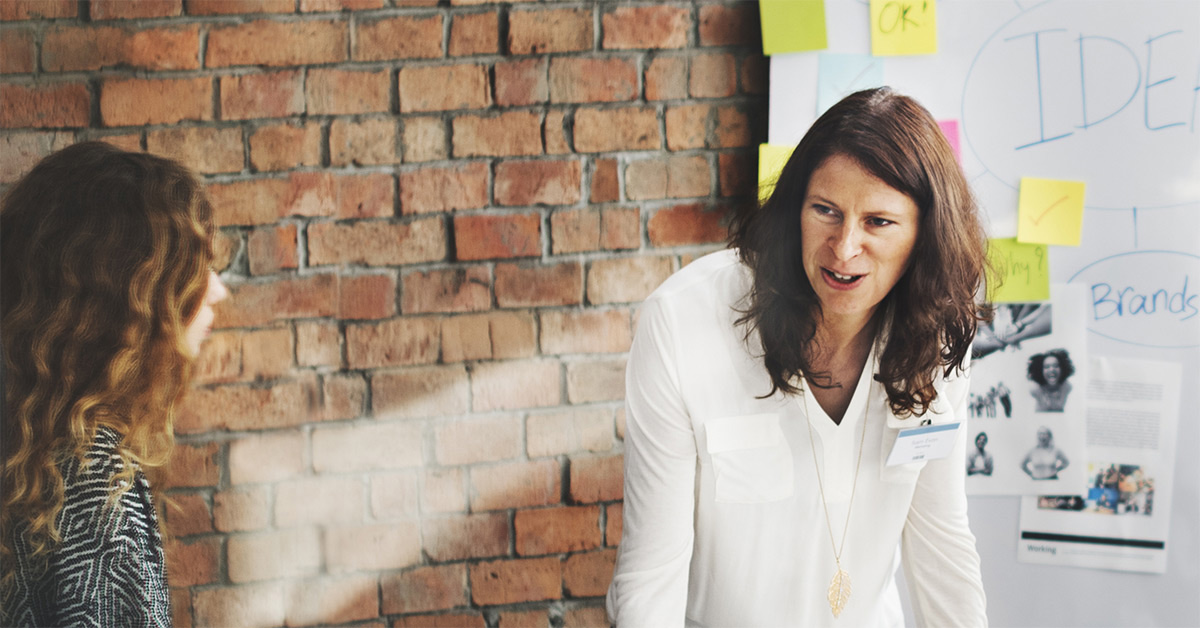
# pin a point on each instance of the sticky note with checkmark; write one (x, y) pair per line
(1050, 211)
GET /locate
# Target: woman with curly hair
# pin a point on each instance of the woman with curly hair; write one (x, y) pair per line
(768, 383)
(1049, 372)
(106, 294)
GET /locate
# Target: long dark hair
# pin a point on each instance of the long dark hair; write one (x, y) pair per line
(933, 313)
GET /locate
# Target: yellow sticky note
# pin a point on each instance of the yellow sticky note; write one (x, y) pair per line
(771, 159)
(1022, 271)
(1050, 211)
(903, 27)
(792, 25)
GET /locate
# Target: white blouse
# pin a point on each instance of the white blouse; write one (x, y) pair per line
(723, 522)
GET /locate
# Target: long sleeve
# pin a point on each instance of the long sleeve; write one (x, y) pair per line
(940, 560)
(650, 583)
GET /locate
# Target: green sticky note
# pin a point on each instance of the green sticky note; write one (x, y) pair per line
(1050, 211)
(1021, 271)
(771, 159)
(792, 25)
(904, 27)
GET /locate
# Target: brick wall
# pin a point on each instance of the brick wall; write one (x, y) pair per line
(437, 220)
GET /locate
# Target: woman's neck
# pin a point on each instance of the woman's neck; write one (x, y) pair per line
(841, 342)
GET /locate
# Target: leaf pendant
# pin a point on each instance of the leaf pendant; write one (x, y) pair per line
(839, 592)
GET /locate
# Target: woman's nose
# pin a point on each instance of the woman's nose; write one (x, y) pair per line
(847, 241)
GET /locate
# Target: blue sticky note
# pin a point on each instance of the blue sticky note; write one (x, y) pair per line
(840, 74)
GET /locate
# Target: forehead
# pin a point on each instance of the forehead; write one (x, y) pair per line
(842, 178)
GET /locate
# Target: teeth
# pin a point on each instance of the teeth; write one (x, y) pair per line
(840, 277)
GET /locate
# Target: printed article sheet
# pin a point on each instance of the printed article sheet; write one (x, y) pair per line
(1028, 398)
(1118, 518)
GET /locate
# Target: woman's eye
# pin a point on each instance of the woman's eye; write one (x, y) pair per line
(822, 210)
(879, 222)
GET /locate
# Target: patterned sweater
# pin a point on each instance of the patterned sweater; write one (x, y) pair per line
(109, 569)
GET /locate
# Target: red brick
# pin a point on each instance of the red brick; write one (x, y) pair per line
(507, 134)
(181, 607)
(187, 514)
(395, 495)
(729, 25)
(273, 43)
(240, 407)
(499, 335)
(45, 105)
(646, 27)
(585, 331)
(141, 102)
(554, 129)
(344, 396)
(686, 224)
(225, 246)
(318, 344)
(469, 619)
(246, 605)
(515, 485)
(366, 297)
(316, 6)
(574, 231)
(599, 380)
(337, 195)
(514, 581)
(755, 75)
(266, 457)
(22, 150)
(395, 342)
(465, 536)
(461, 186)
(627, 128)
(31, 9)
(542, 182)
(712, 76)
(268, 95)
(613, 524)
(536, 286)
(272, 249)
(220, 358)
(366, 448)
(341, 92)
(597, 479)
(124, 9)
(541, 31)
(521, 82)
(577, 79)
(425, 589)
(620, 228)
(420, 392)
(732, 128)
(267, 353)
(470, 441)
(285, 146)
(229, 7)
(318, 500)
(192, 562)
(248, 202)
(367, 142)
(16, 51)
(584, 616)
(627, 279)
(205, 149)
(666, 78)
(676, 176)
(514, 385)
(443, 491)
(605, 187)
(332, 600)
(497, 236)
(474, 33)
(579, 429)
(253, 304)
(377, 243)
(444, 88)
(737, 174)
(588, 575)
(687, 126)
(242, 509)
(193, 466)
(451, 290)
(405, 37)
(424, 139)
(275, 554)
(557, 530)
(70, 48)
(526, 619)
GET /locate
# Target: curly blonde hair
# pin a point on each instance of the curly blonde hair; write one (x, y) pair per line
(105, 262)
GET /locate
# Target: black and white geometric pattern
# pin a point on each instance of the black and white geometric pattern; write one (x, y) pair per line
(109, 569)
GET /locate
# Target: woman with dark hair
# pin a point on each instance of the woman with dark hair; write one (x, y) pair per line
(767, 385)
(107, 294)
(1049, 372)
(979, 462)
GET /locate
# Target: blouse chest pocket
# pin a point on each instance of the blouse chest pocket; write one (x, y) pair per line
(750, 457)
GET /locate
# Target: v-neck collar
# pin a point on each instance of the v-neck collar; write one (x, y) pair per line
(819, 419)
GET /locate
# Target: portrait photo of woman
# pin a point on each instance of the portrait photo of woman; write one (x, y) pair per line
(1044, 461)
(1049, 372)
(979, 462)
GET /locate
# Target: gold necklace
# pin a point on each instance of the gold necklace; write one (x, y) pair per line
(839, 587)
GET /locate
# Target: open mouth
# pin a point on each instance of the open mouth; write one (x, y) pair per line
(845, 280)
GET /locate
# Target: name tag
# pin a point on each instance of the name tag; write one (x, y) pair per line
(923, 443)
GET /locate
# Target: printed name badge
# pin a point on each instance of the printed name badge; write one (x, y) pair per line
(923, 443)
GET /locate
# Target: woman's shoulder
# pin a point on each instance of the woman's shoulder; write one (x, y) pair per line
(717, 275)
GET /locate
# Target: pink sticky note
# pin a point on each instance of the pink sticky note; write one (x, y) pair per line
(950, 130)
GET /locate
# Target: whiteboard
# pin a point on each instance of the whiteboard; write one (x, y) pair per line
(1088, 90)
